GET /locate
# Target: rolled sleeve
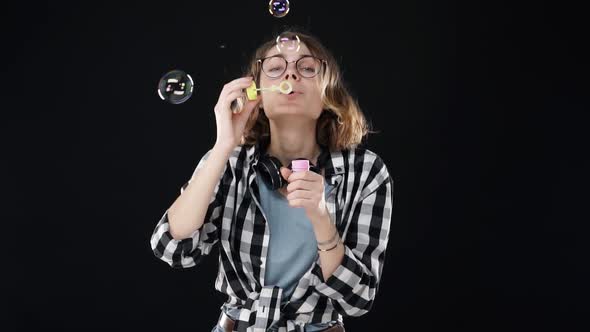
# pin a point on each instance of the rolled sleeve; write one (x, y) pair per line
(188, 252)
(353, 285)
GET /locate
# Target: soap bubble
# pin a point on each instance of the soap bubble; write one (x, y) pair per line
(278, 8)
(288, 42)
(175, 87)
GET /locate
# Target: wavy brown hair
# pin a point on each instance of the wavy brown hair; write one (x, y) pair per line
(341, 124)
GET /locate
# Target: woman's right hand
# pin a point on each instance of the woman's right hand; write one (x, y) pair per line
(230, 126)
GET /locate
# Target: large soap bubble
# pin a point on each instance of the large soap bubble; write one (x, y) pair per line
(175, 87)
(288, 42)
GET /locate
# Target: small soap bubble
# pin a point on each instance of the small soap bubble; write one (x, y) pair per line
(278, 8)
(175, 87)
(288, 43)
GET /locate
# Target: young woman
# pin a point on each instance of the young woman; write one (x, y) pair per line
(298, 250)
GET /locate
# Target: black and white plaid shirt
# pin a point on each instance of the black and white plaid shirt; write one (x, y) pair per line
(361, 206)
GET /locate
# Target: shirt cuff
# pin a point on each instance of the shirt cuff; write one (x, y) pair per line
(343, 280)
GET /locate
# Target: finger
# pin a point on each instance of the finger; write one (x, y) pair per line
(285, 172)
(239, 81)
(301, 185)
(300, 194)
(231, 97)
(304, 175)
(237, 84)
(298, 202)
(239, 87)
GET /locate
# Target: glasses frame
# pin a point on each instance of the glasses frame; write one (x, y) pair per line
(322, 65)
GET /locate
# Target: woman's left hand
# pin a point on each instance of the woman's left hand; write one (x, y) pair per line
(306, 190)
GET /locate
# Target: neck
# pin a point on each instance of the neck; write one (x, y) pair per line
(289, 142)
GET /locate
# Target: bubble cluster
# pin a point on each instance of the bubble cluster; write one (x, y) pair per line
(175, 87)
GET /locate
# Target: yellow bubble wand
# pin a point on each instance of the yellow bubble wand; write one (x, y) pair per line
(284, 87)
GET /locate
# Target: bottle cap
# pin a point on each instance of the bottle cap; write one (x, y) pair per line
(300, 165)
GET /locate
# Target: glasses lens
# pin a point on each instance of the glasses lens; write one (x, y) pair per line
(309, 66)
(274, 66)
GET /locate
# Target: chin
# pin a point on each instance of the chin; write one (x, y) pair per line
(291, 116)
(284, 110)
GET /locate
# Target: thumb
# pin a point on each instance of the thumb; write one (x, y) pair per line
(285, 172)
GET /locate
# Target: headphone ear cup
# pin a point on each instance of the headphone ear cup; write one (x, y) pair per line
(271, 172)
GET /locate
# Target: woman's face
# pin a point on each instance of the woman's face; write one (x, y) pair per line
(305, 101)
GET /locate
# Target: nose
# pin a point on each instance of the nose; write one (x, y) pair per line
(291, 71)
(295, 77)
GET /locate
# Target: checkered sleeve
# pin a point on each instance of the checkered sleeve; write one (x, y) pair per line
(353, 285)
(188, 252)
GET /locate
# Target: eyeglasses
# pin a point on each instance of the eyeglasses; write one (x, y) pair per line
(275, 66)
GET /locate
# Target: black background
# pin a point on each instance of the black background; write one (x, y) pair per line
(482, 111)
